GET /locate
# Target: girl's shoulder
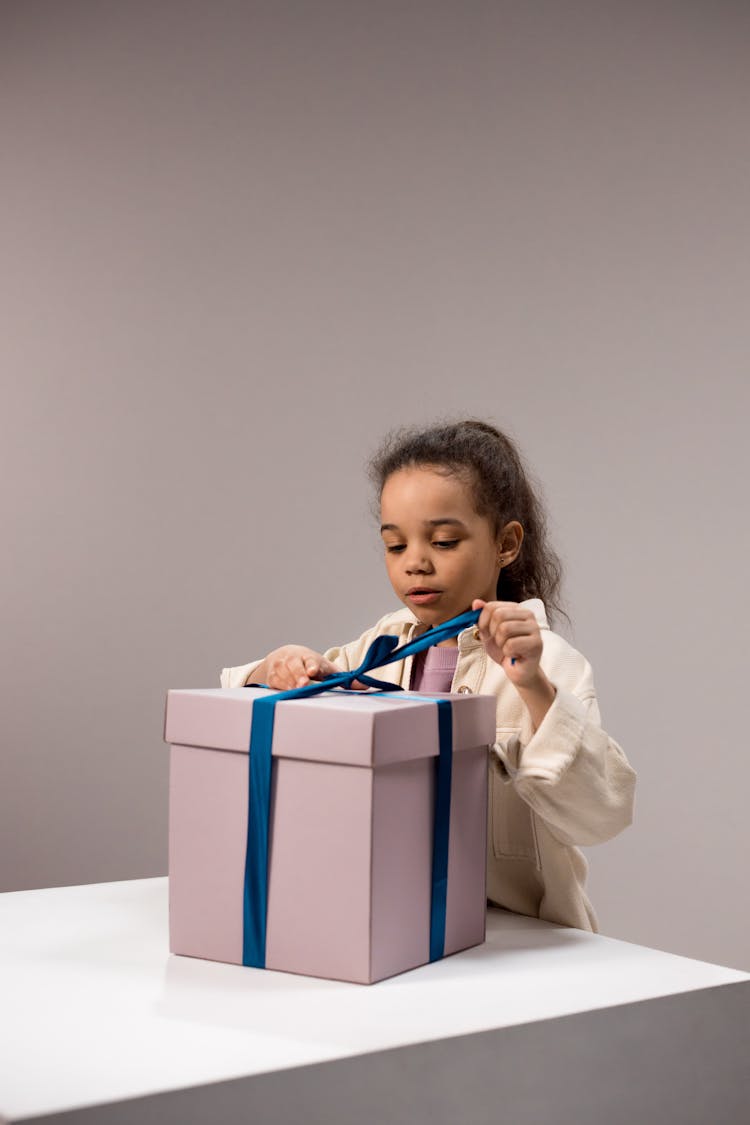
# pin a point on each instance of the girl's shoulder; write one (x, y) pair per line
(537, 607)
(562, 662)
(399, 623)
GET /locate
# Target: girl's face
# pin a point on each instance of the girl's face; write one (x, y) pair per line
(439, 553)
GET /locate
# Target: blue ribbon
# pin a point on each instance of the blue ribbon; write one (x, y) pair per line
(383, 650)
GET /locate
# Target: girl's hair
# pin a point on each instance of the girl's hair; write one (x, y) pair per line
(502, 489)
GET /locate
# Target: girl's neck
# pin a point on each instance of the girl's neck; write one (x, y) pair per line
(452, 642)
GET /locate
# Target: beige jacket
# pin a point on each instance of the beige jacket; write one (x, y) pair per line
(566, 784)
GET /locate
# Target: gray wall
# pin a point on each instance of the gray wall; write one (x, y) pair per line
(242, 240)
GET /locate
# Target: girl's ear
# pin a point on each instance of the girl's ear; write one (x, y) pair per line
(509, 543)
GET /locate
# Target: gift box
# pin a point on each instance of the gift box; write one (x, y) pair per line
(352, 822)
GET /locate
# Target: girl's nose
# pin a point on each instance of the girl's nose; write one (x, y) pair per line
(417, 563)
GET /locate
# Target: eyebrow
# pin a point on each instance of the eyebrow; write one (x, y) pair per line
(428, 523)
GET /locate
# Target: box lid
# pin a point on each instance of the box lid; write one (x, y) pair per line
(355, 728)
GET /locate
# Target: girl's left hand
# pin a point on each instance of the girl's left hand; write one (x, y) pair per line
(510, 633)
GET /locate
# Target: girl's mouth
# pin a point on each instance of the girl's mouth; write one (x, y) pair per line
(423, 597)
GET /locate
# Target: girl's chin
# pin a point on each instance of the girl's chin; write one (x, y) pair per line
(431, 615)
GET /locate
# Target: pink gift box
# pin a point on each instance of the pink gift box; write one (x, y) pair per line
(352, 813)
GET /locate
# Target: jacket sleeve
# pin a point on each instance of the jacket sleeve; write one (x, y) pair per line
(237, 677)
(571, 773)
(343, 656)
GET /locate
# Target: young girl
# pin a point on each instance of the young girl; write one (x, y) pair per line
(462, 529)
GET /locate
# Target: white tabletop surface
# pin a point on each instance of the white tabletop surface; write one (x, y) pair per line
(95, 1009)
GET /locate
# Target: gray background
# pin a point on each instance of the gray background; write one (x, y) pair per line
(242, 240)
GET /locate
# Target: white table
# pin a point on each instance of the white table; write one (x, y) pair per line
(95, 1011)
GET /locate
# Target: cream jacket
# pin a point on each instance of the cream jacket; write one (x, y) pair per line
(566, 784)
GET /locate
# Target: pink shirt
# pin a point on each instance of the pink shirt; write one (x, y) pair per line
(433, 669)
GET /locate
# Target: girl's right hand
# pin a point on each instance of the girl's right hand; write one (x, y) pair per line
(292, 666)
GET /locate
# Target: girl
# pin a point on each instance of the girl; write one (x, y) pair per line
(463, 529)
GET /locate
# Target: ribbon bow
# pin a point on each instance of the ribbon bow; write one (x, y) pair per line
(384, 650)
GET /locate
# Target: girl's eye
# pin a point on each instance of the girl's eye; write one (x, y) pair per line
(443, 544)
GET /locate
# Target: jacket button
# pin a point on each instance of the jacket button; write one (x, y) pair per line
(464, 690)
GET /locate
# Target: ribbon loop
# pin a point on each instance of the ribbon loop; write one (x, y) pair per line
(379, 655)
(379, 652)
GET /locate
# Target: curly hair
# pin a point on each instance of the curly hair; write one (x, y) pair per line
(502, 490)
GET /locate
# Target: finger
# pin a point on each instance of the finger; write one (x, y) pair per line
(485, 617)
(318, 668)
(504, 630)
(502, 625)
(489, 619)
(297, 672)
(511, 611)
(501, 611)
(283, 677)
(520, 648)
